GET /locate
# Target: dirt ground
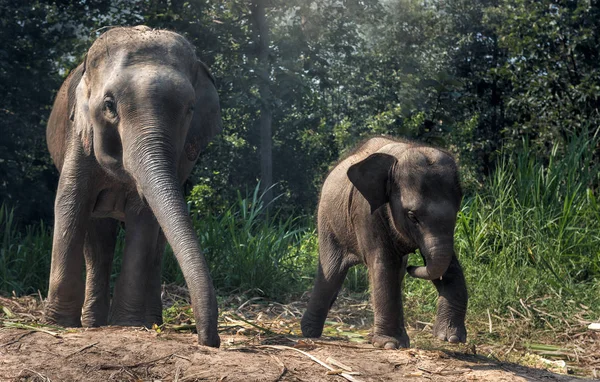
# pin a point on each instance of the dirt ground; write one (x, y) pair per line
(256, 346)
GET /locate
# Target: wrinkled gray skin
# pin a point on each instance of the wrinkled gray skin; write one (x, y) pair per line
(378, 205)
(125, 131)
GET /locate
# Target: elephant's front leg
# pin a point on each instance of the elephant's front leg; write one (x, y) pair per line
(71, 214)
(452, 304)
(386, 273)
(128, 306)
(99, 251)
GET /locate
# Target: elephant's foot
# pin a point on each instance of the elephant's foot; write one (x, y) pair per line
(209, 338)
(58, 317)
(311, 327)
(93, 321)
(389, 342)
(450, 330)
(94, 314)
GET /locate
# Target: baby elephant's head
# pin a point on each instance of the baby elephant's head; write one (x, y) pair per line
(421, 187)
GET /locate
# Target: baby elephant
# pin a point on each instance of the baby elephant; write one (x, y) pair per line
(378, 205)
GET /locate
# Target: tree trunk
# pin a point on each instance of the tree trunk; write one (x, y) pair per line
(266, 141)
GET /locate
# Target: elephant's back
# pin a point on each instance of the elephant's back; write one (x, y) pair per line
(338, 175)
(59, 128)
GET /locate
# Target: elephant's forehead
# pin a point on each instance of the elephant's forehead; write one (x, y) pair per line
(133, 45)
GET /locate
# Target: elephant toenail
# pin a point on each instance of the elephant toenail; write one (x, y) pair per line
(453, 339)
(390, 346)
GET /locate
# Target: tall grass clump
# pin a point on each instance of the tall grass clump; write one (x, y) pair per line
(24, 255)
(252, 249)
(533, 232)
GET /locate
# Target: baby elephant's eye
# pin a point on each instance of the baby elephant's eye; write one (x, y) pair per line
(110, 107)
(412, 217)
(191, 109)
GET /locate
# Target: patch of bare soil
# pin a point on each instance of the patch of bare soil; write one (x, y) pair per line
(259, 343)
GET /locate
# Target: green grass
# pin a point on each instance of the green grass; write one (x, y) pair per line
(24, 255)
(252, 249)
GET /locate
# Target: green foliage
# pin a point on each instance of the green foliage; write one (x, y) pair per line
(24, 255)
(251, 249)
(552, 67)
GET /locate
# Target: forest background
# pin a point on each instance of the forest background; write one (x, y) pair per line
(511, 87)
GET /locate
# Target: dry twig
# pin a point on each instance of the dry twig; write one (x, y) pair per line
(338, 364)
(281, 364)
(18, 325)
(17, 339)
(82, 349)
(339, 345)
(43, 377)
(281, 347)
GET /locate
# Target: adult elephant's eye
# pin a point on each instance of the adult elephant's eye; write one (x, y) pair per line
(412, 217)
(110, 107)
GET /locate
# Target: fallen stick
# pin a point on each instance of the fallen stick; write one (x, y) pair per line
(510, 348)
(340, 345)
(18, 325)
(182, 357)
(42, 377)
(281, 364)
(17, 339)
(268, 331)
(338, 364)
(82, 349)
(519, 313)
(281, 347)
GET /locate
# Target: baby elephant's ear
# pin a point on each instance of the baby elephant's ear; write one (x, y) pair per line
(370, 177)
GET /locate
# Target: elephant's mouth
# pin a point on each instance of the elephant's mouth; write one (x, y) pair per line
(113, 166)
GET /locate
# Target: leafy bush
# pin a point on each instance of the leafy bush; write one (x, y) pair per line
(24, 255)
(251, 249)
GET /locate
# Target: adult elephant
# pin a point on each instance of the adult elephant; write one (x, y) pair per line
(125, 131)
(381, 203)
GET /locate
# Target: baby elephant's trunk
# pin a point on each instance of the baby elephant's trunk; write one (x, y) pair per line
(437, 261)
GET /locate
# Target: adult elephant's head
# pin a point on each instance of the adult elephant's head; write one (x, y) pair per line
(145, 107)
(422, 188)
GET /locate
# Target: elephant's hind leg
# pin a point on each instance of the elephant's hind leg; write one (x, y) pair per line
(153, 288)
(99, 251)
(333, 267)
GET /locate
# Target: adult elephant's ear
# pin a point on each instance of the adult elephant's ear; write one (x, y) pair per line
(80, 114)
(206, 121)
(370, 177)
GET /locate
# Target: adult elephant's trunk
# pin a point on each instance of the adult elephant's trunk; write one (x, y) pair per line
(154, 170)
(437, 260)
